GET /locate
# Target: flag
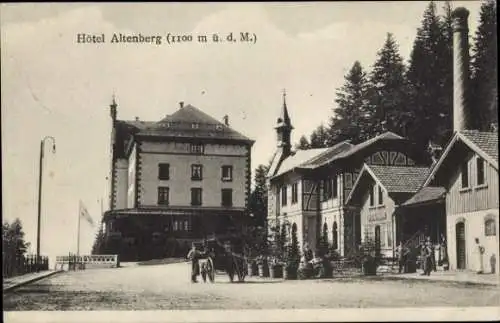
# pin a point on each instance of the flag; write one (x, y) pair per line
(85, 214)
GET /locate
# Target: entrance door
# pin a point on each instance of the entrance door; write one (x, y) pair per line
(460, 237)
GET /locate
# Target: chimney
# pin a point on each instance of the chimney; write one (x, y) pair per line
(226, 120)
(181, 104)
(136, 118)
(460, 69)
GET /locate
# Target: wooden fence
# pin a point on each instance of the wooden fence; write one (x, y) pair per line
(74, 262)
(15, 266)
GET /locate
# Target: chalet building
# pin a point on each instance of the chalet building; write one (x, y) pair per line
(378, 191)
(465, 177)
(468, 170)
(309, 188)
(174, 181)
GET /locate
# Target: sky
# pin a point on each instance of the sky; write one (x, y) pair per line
(53, 86)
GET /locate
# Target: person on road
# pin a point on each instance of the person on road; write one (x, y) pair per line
(480, 253)
(194, 255)
(427, 258)
(402, 253)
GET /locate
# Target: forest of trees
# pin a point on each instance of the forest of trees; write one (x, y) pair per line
(407, 97)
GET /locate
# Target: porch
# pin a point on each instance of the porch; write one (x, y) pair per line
(422, 216)
(156, 234)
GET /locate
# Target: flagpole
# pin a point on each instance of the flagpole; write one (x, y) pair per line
(78, 234)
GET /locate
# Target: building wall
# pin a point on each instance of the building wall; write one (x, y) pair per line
(380, 215)
(180, 159)
(131, 178)
(474, 228)
(473, 198)
(121, 183)
(332, 213)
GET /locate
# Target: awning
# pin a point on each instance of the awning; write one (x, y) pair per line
(426, 195)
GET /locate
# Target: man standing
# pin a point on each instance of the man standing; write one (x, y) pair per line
(194, 256)
(480, 253)
(427, 258)
(401, 251)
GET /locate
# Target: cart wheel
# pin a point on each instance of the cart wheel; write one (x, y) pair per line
(211, 270)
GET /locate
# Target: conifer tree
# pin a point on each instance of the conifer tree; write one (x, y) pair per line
(319, 137)
(388, 90)
(484, 95)
(351, 117)
(303, 143)
(258, 197)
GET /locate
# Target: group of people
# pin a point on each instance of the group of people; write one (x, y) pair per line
(427, 253)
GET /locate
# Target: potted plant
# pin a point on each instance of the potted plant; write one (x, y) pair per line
(275, 268)
(252, 269)
(262, 266)
(370, 256)
(292, 257)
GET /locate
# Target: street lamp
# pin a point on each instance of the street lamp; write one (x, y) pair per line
(42, 145)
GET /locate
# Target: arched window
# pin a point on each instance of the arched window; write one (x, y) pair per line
(335, 236)
(377, 235)
(490, 226)
(325, 232)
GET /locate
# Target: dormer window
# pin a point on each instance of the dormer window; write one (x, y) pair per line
(195, 125)
(196, 148)
(218, 127)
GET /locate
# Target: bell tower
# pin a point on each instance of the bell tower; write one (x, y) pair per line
(284, 129)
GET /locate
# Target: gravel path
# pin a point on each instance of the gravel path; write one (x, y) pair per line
(166, 287)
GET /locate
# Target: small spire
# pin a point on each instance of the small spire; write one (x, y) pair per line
(284, 117)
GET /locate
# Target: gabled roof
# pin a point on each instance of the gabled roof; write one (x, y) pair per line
(329, 154)
(485, 144)
(353, 149)
(314, 158)
(298, 158)
(425, 195)
(394, 179)
(186, 122)
(486, 141)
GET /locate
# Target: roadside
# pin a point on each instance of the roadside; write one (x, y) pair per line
(18, 281)
(465, 277)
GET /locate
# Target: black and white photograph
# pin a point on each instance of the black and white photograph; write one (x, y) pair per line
(250, 162)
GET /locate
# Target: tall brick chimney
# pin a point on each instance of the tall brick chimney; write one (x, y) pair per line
(461, 114)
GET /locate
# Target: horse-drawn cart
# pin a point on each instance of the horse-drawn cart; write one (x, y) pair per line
(223, 258)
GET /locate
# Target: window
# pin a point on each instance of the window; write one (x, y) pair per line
(227, 173)
(195, 125)
(380, 196)
(163, 195)
(348, 180)
(372, 196)
(465, 175)
(480, 171)
(196, 196)
(283, 195)
(334, 187)
(196, 172)
(327, 189)
(227, 197)
(489, 227)
(181, 225)
(196, 149)
(164, 171)
(295, 193)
